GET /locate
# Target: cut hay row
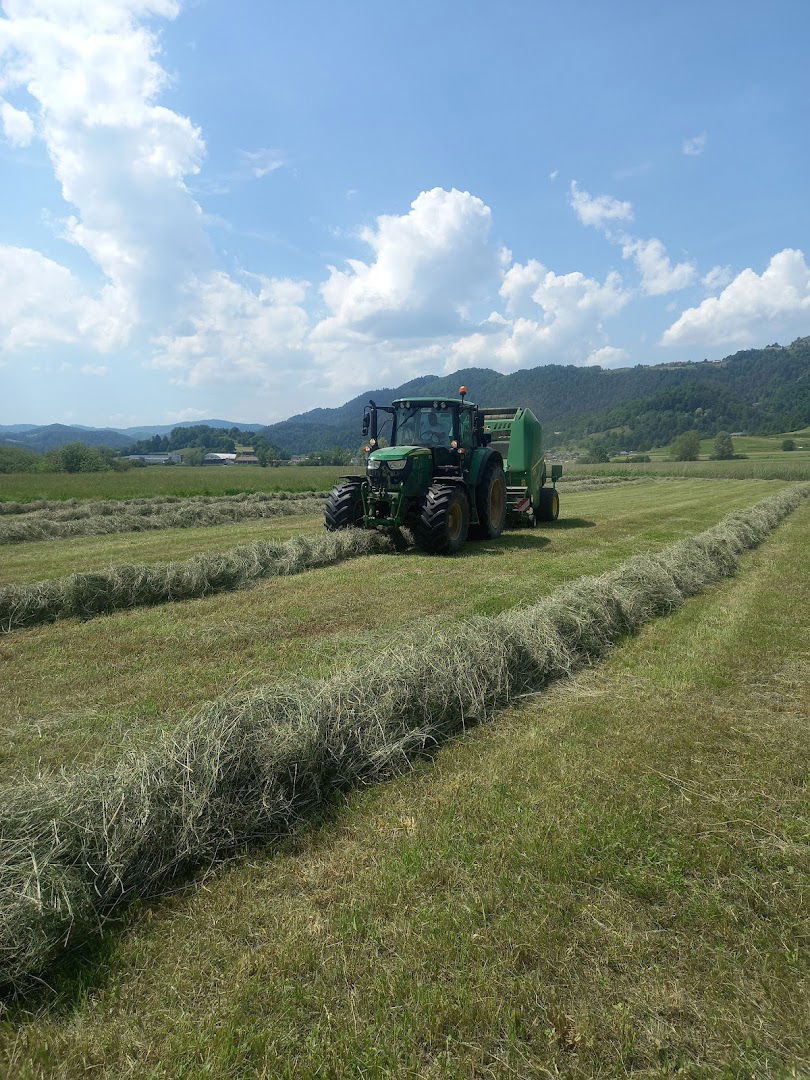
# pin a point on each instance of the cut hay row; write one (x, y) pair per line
(596, 481)
(117, 588)
(69, 509)
(575, 485)
(31, 527)
(77, 850)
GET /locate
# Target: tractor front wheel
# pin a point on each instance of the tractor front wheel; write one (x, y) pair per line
(344, 507)
(548, 505)
(443, 521)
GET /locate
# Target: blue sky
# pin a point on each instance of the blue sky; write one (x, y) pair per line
(248, 209)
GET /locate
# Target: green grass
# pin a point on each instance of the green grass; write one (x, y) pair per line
(56, 558)
(765, 461)
(168, 480)
(132, 585)
(150, 665)
(786, 466)
(49, 524)
(756, 446)
(604, 882)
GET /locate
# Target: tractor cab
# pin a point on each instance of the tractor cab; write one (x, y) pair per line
(448, 427)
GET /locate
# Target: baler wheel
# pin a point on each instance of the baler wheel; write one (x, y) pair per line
(344, 507)
(444, 520)
(548, 505)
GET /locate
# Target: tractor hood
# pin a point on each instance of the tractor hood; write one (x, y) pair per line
(396, 453)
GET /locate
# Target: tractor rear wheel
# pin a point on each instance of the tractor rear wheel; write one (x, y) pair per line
(443, 521)
(490, 501)
(548, 505)
(344, 507)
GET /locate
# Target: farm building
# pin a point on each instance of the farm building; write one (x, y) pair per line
(219, 459)
(246, 459)
(156, 459)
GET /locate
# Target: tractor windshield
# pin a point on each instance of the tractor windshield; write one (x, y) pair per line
(423, 426)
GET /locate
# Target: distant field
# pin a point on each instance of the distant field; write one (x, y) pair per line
(765, 461)
(168, 480)
(784, 466)
(605, 881)
(755, 446)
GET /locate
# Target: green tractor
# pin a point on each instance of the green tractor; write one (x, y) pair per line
(450, 471)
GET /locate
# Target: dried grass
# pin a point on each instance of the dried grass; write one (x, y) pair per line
(100, 592)
(115, 517)
(66, 509)
(77, 851)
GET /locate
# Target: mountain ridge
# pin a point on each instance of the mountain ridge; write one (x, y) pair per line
(766, 390)
(759, 390)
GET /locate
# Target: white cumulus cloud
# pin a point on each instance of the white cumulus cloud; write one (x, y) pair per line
(123, 159)
(775, 302)
(18, 127)
(119, 156)
(238, 333)
(598, 210)
(550, 319)
(44, 303)
(695, 146)
(717, 278)
(429, 266)
(608, 357)
(658, 273)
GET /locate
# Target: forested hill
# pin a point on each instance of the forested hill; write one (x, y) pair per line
(758, 390)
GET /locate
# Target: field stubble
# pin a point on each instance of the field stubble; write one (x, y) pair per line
(150, 665)
(80, 849)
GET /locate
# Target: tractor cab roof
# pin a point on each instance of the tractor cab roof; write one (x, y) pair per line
(432, 402)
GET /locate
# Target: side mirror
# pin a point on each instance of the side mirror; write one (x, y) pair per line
(366, 424)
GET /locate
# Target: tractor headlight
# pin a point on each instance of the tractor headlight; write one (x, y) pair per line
(372, 463)
(397, 466)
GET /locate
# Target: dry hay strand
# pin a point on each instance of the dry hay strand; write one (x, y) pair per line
(117, 588)
(184, 515)
(65, 509)
(77, 850)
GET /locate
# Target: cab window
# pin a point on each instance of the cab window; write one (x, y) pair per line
(465, 424)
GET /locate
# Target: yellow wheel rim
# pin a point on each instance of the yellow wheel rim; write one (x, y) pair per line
(454, 522)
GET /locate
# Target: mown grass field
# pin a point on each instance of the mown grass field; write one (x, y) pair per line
(605, 880)
(150, 665)
(167, 480)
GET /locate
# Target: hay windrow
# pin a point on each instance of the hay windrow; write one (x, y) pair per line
(42, 525)
(575, 484)
(65, 509)
(77, 850)
(86, 595)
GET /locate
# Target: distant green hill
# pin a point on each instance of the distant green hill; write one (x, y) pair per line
(758, 390)
(52, 436)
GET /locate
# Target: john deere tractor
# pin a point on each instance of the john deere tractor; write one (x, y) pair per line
(450, 471)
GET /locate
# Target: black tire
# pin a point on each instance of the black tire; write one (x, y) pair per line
(443, 521)
(548, 505)
(344, 507)
(490, 501)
